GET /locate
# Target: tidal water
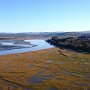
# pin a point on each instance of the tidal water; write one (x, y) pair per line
(40, 44)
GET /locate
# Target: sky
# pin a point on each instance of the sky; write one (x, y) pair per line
(44, 15)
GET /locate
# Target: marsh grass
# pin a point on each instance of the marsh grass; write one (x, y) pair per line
(45, 70)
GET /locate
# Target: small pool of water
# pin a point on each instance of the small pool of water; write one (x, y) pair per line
(38, 79)
(49, 61)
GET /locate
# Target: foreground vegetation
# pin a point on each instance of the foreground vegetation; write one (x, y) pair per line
(49, 69)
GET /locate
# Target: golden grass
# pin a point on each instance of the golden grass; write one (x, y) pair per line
(53, 69)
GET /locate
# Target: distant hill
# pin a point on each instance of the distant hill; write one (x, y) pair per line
(44, 34)
(88, 31)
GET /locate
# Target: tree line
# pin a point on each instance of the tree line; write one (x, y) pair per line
(77, 43)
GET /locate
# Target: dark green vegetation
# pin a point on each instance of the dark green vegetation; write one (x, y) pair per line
(81, 43)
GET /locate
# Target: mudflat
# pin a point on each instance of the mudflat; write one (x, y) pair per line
(48, 69)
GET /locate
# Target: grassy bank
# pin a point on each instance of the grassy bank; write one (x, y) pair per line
(49, 69)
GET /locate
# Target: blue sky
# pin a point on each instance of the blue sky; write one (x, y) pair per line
(44, 15)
